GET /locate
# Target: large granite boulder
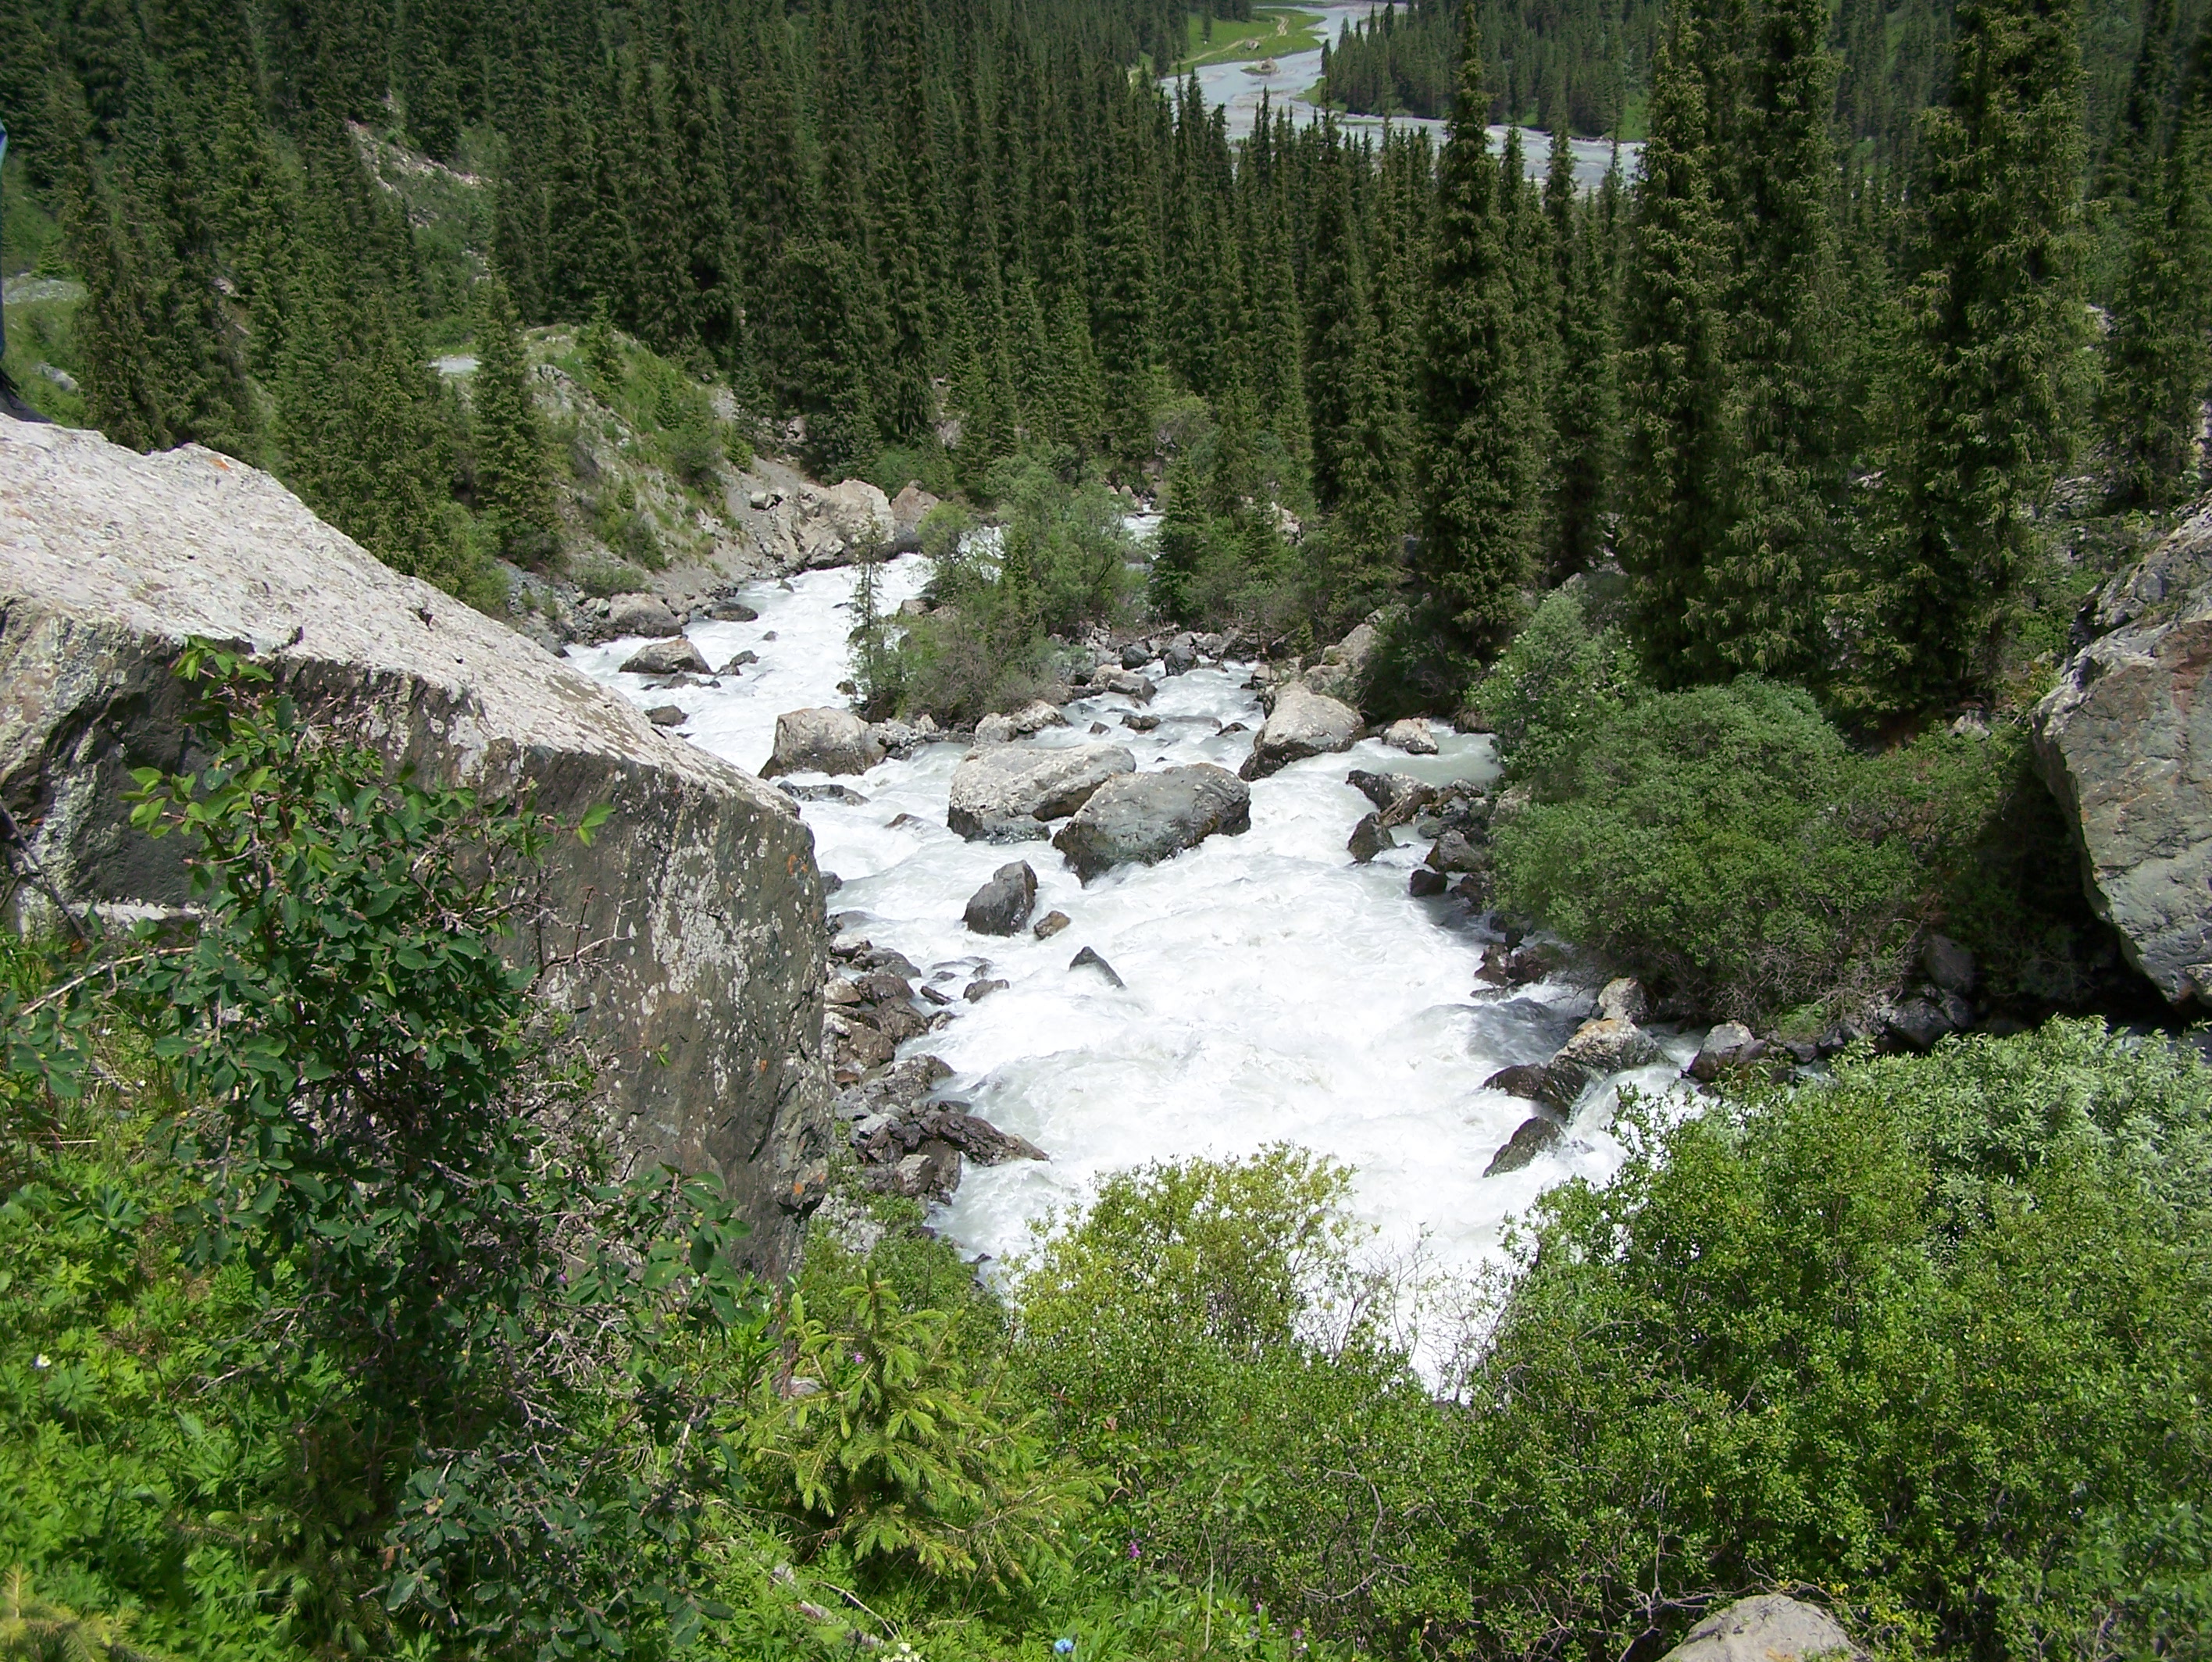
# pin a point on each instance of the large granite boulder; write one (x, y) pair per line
(702, 1000)
(2125, 742)
(1008, 792)
(1345, 668)
(1143, 818)
(1304, 723)
(822, 740)
(1770, 1627)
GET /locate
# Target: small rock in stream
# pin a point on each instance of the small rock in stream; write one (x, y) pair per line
(1002, 905)
(666, 715)
(1534, 1135)
(1425, 883)
(1089, 957)
(1369, 839)
(976, 991)
(1050, 925)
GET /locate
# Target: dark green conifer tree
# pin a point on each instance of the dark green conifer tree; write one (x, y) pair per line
(1585, 405)
(1990, 381)
(1765, 575)
(122, 378)
(513, 478)
(1476, 474)
(1676, 401)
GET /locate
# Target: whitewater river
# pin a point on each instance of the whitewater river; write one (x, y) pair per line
(1276, 992)
(1237, 89)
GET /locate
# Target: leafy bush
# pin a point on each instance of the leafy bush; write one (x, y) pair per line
(374, 1155)
(879, 1441)
(601, 578)
(1061, 559)
(1927, 1336)
(1550, 689)
(1207, 1334)
(1725, 844)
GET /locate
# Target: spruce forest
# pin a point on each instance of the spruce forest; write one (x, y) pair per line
(1748, 496)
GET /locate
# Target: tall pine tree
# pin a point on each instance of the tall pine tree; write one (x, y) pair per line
(1476, 473)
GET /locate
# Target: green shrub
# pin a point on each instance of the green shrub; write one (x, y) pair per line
(1207, 1333)
(1725, 844)
(1550, 689)
(602, 578)
(1062, 558)
(372, 1172)
(1927, 1336)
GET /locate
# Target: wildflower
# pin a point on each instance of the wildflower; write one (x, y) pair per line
(42, 1360)
(1062, 1647)
(1134, 1553)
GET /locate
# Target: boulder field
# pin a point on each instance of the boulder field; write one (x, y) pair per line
(702, 1001)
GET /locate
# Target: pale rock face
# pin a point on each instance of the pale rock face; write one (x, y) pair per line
(704, 1002)
(822, 740)
(908, 509)
(1304, 723)
(1009, 792)
(811, 529)
(1770, 1627)
(1343, 671)
(647, 615)
(2125, 742)
(1412, 736)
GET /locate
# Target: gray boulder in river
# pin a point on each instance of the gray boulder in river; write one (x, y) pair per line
(1143, 818)
(702, 1002)
(2124, 741)
(1304, 723)
(1007, 792)
(1002, 905)
(822, 740)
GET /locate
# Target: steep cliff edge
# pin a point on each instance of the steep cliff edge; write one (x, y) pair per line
(2125, 743)
(704, 998)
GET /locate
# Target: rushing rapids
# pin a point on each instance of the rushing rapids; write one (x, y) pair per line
(1274, 990)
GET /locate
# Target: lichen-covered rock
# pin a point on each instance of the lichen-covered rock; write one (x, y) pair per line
(822, 740)
(1728, 1047)
(1304, 723)
(1603, 1046)
(1344, 668)
(647, 615)
(1143, 818)
(2124, 741)
(1412, 736)
(674, 656)
(1009, 792)
(703, 999)
(1770, 1627)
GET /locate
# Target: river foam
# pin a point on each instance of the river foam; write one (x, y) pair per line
(1274, 990)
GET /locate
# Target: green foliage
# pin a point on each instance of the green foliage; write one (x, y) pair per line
(1550, 691)
(1207, 1332)
(1060, 558)
(515, 478)
(1724, 843)
(35, 1629)
(373, 1160)
(1992, 373)
(878, 1438)
(1480, 405)
(1922, 1336)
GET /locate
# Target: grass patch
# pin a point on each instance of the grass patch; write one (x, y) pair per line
(1273, 32)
